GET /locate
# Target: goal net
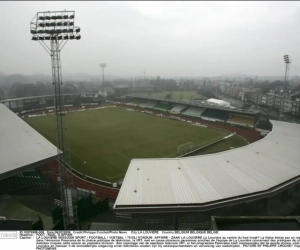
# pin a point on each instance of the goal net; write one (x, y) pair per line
(185, 148)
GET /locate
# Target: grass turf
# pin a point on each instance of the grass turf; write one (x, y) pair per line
(107, 139)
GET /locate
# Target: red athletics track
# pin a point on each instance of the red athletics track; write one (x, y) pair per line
(51, 169)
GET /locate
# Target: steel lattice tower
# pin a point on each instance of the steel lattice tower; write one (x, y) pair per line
(103, 65)
(58, 27)
(287, 62)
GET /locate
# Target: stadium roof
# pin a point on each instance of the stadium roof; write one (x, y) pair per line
(208, 181)
(21, 147)
(32, 97)
(202, 104)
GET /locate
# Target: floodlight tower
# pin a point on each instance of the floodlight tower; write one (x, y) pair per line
(102, 65)
(287, 64)
(58, 28)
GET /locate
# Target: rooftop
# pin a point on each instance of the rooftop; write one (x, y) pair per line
(31, 97)
(21, 147)
(214, 180)
(217, 101)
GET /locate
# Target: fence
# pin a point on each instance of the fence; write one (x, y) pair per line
(52, 172)
(89, 178)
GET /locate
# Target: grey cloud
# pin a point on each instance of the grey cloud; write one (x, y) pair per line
(165, 38)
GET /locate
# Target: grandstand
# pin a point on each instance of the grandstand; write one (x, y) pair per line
(215, 115)
(21, 147)
(35, 102)
(164, 106)
(148, 104)
(135, 101)
(241, 120)
(206, 182)
(178, 108)
(24, 180)
(194, 111)
(203, 110)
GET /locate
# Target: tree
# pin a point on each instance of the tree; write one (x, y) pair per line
(276, 84)
(168, 96)
(70, 89)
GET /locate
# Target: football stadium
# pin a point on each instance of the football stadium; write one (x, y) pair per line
(159, 162)
(139, 153)
(104, 141)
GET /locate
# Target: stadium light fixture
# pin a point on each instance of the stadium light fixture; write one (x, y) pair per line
(58, 27)
(54, 25)
(286, 59)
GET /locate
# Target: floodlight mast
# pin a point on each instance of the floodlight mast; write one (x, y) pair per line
(58, 28)
(102, 65)
(287, 64)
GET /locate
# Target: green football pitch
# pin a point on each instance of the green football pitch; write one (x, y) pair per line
(103, 141)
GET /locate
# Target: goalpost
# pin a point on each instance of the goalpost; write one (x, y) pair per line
(185, 148)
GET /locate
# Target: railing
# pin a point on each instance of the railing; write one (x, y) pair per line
(93, 180)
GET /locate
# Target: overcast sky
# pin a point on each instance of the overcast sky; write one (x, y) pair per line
(164, 38)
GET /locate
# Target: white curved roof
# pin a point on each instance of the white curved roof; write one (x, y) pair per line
(198, 180)
(21, 147)
(217, 101)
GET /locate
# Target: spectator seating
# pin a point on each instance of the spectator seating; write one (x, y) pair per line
(241, 120)
(30, 177)
(214, 114)
(148, 104)
(164, 106)
(178, 108)
(135, 101)
(194, 111)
